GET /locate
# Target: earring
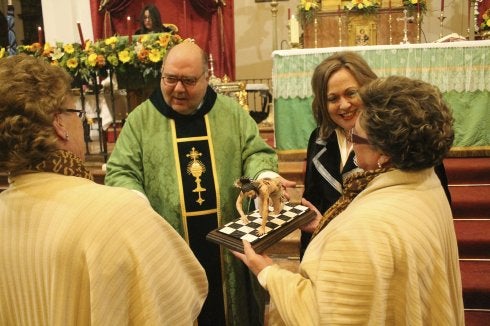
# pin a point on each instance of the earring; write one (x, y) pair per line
(66, 136)
(380, 165)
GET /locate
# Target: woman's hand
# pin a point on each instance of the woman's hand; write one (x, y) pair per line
(255, 262)
(311, 226)
(285, 183)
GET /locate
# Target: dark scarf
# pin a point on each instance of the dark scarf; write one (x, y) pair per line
(353, 185)
(65, 163)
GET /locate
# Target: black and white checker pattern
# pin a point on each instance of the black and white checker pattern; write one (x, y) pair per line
(248, 231)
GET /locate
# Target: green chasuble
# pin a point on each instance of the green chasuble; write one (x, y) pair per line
(186, 166)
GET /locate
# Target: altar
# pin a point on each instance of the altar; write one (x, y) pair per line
(461, 70)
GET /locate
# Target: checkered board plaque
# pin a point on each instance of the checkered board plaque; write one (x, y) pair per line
(278, 226)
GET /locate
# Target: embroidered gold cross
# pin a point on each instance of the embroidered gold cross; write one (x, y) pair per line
(196, 168)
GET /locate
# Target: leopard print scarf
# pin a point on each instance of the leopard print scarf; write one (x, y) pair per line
(63, 162)
(353, 185)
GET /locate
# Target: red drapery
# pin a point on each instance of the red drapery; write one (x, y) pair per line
(209, 22)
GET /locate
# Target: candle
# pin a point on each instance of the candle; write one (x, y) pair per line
(469, 14)
(442, 5)
(40, 35)
(418, 8)
(130, 34)
(289, 13)
(294, 29)
(389, 4)
(338, 9)
(82, 40)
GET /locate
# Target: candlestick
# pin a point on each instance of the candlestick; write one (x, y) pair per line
(390, 28)
(274, 10)
(315, 30)
(40, 35)
(130, 33)
(418, 26)
(339, 22)
(82, 40)
(442, 5)
(294, 31)
(441, 19)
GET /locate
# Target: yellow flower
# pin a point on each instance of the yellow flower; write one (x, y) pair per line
(308, 4)
(72, 63)
(88, 43)
(155, 55)
(124, 56)
(92, 59)
(164, 39)
(111, 40)
(68, 48)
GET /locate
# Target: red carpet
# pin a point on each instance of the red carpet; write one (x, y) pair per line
(477, 317)
(471, 201)
(469, 184)
(475, 275)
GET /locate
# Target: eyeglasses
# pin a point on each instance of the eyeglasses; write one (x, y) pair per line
(356, 139)
(81, 113)
(171, 80)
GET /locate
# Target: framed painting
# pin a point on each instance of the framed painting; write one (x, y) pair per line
(362, 30)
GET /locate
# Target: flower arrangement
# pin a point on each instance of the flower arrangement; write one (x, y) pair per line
(367, 7)
(411, 5)
(142, 57)
(306, 10)
(485, 24)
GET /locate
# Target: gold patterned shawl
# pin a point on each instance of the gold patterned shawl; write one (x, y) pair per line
(353, 185)
(65, 163)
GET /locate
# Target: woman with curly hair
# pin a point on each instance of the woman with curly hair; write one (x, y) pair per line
(74, 252)
(385, 253)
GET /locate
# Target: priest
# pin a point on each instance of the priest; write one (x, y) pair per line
(183, 148)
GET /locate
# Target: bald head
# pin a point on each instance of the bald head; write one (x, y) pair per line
(189, 52)
(185, 77)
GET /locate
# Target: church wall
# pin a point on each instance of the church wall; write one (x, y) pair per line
(253, 31)
(253, 28)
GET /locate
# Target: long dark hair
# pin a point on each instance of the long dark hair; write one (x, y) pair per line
(155, 18)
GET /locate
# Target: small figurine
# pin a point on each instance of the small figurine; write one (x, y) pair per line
(267, 190)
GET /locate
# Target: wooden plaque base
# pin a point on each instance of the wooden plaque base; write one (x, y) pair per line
(277, 227)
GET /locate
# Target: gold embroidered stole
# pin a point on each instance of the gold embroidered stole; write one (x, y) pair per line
(200, 202)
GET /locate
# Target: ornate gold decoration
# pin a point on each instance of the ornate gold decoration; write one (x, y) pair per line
(196, 168)
(362, 29)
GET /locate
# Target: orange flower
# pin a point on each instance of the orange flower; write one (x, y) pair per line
(143, 55)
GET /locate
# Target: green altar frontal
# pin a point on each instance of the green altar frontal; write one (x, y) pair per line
(461, 70)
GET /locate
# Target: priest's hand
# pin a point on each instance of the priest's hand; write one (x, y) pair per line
(311, 226)
(255, 262)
